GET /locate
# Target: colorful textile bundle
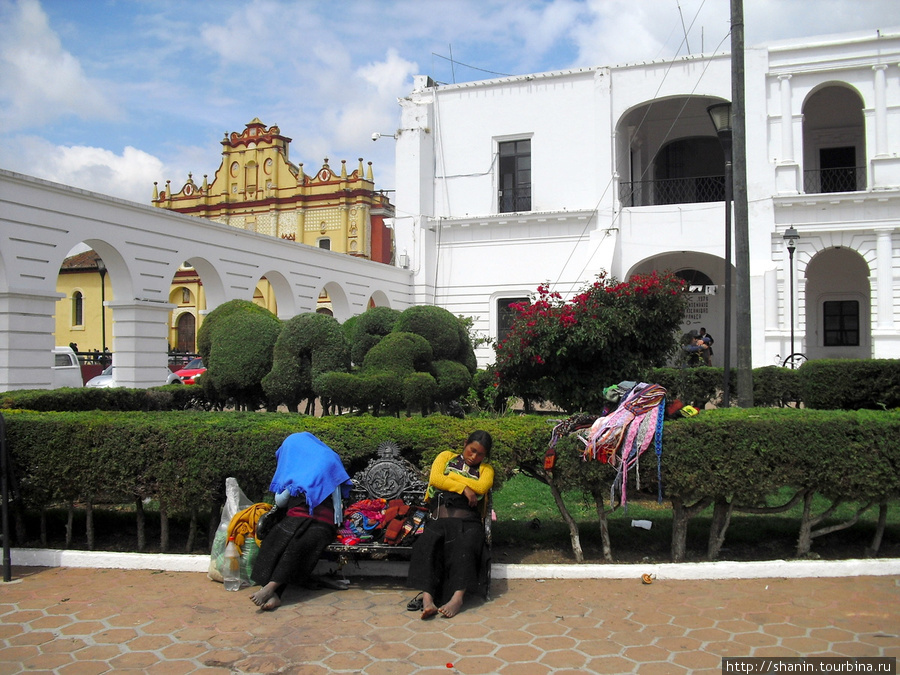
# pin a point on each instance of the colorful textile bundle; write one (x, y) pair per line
(619, 437)
(571, 425)
(608, 433)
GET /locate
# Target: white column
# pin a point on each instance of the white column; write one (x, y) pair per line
(880, 111)
(787, 120)
(140, 341)
(26, 352)
(771, 286)
(885, 277)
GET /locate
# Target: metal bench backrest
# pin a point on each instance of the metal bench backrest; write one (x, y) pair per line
(389, 476)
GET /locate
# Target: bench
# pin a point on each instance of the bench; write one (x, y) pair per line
(389, 476)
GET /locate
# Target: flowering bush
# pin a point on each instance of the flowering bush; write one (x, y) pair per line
(568, 351)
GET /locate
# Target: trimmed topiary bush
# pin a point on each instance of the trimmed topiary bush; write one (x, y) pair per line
(237, 348)
(367, 329)
(308, 346)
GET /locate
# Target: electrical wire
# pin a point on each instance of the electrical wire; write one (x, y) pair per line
(675, 120)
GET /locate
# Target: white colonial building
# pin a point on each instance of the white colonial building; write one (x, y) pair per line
(508, 183)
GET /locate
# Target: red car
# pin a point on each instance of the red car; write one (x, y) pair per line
(190, 371)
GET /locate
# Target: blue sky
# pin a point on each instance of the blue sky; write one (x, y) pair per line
(111, 95)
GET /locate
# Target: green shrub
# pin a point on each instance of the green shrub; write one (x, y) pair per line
(692, 386)
(308, 346)
(452, 380)
(238, 351)
(850, 384)
(443, 331)
(401, 352)
(774, 386)
(419, 392)
(367, 330)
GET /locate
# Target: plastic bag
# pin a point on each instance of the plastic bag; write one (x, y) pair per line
(235, 500)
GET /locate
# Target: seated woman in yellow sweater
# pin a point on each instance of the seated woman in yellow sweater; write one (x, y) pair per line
(450, 556)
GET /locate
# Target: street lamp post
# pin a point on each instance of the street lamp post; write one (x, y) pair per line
(101, 267)
(790, 237)
(720, 114)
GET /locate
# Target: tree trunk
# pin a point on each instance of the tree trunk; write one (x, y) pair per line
(21, 531)
(604, 523)
(804, 540)
(215, 514)
(681, 514)
(192, 531)
(70, 523)
(44, 527)
(141, 518)
(570, 521)
(89, 524)
(679, 530)
(163, 529)
(721, 519)
(879, 529)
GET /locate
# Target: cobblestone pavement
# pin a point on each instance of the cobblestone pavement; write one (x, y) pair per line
(80, 621)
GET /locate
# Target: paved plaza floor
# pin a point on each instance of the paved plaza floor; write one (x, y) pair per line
(81, 620)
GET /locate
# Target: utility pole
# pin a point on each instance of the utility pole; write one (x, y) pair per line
(741, 211)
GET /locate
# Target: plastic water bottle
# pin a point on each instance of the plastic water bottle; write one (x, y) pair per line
(231, 572)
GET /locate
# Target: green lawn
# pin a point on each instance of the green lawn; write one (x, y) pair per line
(528, 522)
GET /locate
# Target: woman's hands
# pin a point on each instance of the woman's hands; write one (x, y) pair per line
(471, 495)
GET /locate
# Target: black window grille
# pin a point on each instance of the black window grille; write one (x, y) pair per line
(515, 177)
(841, 323)
(506, 316)
(77, 309)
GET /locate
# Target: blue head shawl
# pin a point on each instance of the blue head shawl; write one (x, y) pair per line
(307, 466)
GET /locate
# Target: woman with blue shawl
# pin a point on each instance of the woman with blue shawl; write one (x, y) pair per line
(309, 481)
(450, 557)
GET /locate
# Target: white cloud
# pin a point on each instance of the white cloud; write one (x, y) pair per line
(41, 80)
(128, 176)
(391, 77)
(237, 40)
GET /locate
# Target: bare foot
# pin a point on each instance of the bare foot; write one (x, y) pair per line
(429, 609)
(452, 607)
(265, 594)
(272, 603)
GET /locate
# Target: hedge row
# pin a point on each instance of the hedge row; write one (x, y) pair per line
(736, 456)
(824, 384)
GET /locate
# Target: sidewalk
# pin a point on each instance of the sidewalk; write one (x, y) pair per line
(95, 620)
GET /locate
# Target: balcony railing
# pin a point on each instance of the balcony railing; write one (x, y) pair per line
(841, 179)
(693, 190)
(515, 200)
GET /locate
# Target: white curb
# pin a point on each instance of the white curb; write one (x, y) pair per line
(766, 569)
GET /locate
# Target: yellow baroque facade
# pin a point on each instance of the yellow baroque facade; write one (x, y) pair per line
(257, 188)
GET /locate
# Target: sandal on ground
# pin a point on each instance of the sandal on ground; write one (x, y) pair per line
(416, 604)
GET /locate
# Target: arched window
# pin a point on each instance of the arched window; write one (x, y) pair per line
(325, 243)
(77, 309)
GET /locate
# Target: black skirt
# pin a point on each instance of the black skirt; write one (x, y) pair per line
(450, 555)
(290, 551)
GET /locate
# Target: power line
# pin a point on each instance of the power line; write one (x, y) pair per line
(452, 61)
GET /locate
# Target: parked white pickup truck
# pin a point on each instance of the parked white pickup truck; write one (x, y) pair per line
(66, 368)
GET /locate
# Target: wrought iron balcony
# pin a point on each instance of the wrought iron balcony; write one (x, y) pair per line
(693, 190)
(841, 179)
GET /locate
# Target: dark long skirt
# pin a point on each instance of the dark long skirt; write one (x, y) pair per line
(289, 552)
(450, 555)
